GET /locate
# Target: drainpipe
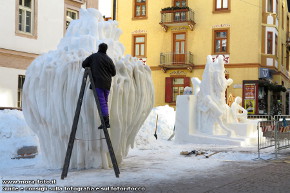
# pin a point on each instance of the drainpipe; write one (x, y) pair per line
(114, 9)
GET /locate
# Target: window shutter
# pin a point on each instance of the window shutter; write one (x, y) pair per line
(168, 90)
(186, 82)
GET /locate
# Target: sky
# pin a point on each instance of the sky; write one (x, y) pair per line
(105, 7)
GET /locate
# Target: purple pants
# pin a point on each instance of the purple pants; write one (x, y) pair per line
(103, 98)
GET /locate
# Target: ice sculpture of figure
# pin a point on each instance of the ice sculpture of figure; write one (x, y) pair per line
(239, 113)
(211, 105)
(52, 86)
(205, 117)
(196, 85)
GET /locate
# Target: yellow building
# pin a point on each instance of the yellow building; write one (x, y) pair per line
(174, 37)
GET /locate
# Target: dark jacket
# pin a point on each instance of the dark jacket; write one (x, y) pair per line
(103, 69)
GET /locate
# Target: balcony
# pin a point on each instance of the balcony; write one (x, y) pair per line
(176, 61)
(176, 16)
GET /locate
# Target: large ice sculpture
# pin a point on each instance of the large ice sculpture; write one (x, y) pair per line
(52, 86)
(204, 117)
(211, 107)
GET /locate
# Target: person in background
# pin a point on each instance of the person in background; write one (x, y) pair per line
(103, 69)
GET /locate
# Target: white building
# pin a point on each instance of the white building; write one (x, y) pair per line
(28, 29)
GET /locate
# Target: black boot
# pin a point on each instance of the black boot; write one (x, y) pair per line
(107, 122)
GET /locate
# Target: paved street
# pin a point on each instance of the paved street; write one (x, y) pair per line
(271, 176)
(232, 177)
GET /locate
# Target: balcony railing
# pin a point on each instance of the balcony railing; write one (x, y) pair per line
(176, 61)
(179, 17)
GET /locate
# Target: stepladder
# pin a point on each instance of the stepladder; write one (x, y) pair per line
(88, 73)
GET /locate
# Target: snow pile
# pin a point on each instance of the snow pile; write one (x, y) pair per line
(52, 86)
(165, 126)
(14, 134)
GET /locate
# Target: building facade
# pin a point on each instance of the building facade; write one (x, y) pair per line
(174, 37)
(30, 28)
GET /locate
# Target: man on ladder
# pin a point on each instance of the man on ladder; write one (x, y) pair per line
(103, 69)
(100, 69)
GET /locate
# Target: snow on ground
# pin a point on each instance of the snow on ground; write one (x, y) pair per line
(165, 126)
(150, 162)
(14, 134)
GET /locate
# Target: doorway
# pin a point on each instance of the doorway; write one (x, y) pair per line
(179, 40)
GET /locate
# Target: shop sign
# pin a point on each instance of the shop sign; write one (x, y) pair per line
(264, 73)
(250, 98)
(179, 28)
(178, 72)
(221, 26)
(139, 31)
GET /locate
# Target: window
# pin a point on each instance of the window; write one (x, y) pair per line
(269, 42)
(139, 46)
(277, 7)
(180, 3)
(175, 86)
(26, 17)
(282, 53)
(21, 79)
(282, 17)
(180, 16)
(178, 87)
(220, 41)
(140, 9)
(71, 12)
(287, 60)
(276, 45)
(287, 29)
(71, 15)
(221, 5)
(270, 6)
